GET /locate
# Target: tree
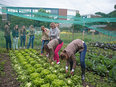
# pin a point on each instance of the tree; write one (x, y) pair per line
(15, 20)
(24, 21)
(109, 15)
(101, 14)
(115, 7)
(77, 26)
(41, 23)
(112, 15)
(1, 23)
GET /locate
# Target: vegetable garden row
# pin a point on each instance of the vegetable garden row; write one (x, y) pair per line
(34, 70)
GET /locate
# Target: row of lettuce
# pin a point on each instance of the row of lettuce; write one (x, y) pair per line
(33, 70)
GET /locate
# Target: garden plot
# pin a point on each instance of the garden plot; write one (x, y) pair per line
(34, 70)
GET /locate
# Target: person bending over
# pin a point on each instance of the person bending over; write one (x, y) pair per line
(69, 55)
(52, 48)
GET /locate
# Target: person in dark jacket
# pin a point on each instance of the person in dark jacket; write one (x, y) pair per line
(7, 35)
(32, 36)
(52, 48)
(69, 54)
(15, 34)
(23, 36)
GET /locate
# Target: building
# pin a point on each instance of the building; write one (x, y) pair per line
(62, 12)
(65, 14)
(28, 11)
(91, 16)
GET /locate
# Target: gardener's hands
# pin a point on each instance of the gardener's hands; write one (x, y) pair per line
(50, 61)
(66, 71)
(72, 73)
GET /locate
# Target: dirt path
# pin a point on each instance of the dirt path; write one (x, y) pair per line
(9, 78)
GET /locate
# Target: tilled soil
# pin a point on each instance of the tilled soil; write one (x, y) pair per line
(8, 79)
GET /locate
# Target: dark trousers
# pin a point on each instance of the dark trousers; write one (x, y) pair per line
(8, 42)
(31, 40)
(82, 59)
(44, 42)
(71, 65)
(22, 38)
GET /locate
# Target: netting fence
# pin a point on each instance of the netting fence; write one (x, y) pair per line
(67, 34)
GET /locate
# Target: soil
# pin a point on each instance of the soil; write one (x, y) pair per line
(110, 28)
(85, 84)
(8, 79)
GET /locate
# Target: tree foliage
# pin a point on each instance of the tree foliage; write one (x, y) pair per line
(114, 6)
(109, 15)
(15, 20)
(101, 14)
(76, 26)
(46, 24)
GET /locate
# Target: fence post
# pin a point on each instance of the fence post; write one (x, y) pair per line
(83, 34)
(93, 35)
(73, 33)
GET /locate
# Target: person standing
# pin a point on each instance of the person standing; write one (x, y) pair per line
(7, 35)
(23, 37)
(45, 37)
(53, 31)
(31, 34)
(57, 26)
(15, 34)
(69, 55)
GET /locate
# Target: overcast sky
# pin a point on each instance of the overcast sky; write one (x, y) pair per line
(84, 6)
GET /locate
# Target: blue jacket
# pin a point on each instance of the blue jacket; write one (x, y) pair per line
(15, 33)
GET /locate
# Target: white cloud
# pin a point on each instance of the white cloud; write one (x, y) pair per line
(84, 6)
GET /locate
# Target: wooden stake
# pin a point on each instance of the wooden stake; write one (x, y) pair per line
(83, 34)
(73, 33)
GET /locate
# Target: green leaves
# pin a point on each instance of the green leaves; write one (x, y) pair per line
(38, 82)
(76, 79)
(37, 66)
(28, 84)
(61, 76)
(55, 71)
(69, 82)
(44, 73)
(49, 78)
(34, 76)
(89, 63)
(62, 70)
(34, 71)
(112, 73)
(22, 78)
(45, 85)
(99, 62)
(58, 83)
(30, 70)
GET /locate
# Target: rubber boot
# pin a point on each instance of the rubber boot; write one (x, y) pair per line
(83, 75)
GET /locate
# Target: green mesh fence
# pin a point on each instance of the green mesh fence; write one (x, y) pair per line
(71, 20)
